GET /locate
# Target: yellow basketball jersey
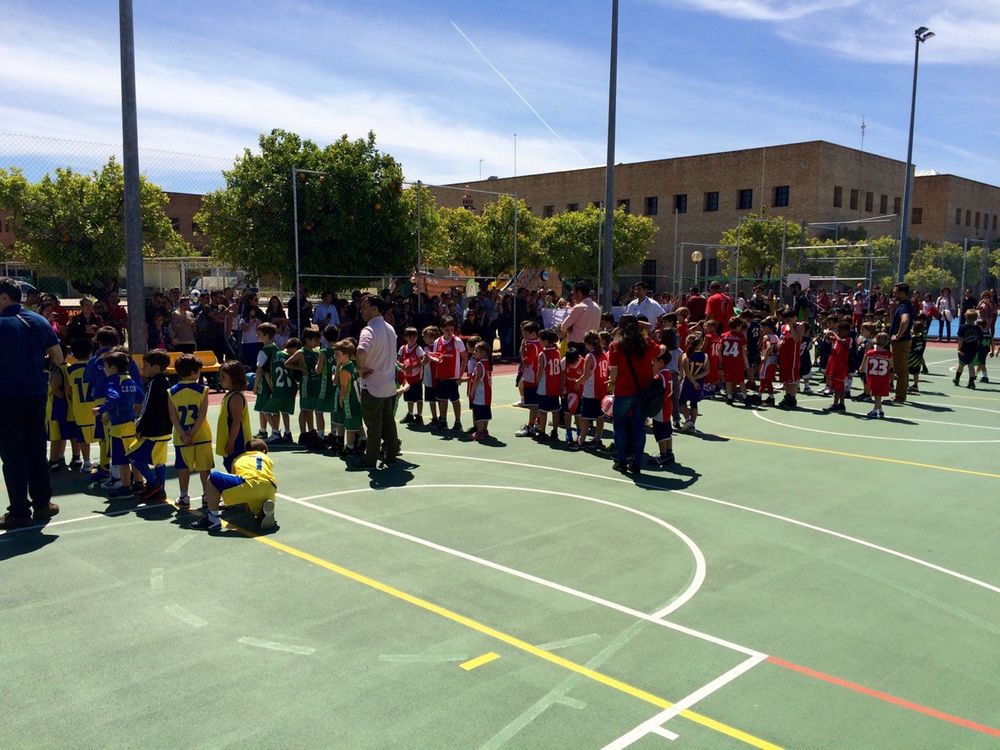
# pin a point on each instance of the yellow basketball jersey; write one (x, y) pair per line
(254, 465)
(76, 392)
(222, 425)
(189, 399)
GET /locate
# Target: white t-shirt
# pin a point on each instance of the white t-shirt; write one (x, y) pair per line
(648, 307)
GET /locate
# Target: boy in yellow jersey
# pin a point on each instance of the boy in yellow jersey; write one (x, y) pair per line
(59, 413)
(252, 483)
(76, 393)
(148, 454)
(192, 435)
(232, 431)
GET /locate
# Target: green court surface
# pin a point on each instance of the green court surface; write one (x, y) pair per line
(800, 580)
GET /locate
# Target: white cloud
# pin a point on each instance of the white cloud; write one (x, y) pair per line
(766, 10)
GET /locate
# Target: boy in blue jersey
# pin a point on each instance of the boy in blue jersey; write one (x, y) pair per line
(118, 416)
(96, 385)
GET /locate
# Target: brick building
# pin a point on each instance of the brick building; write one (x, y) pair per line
(951, 208)
(693, 199)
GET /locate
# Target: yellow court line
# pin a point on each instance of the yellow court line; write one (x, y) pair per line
(845, 454)
(479, 661)
(511, 640)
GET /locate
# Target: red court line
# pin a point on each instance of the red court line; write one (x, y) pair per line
(901, 702)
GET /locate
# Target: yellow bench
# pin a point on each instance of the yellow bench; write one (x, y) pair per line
(137, 358)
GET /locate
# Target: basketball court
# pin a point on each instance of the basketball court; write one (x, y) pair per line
(799, 580)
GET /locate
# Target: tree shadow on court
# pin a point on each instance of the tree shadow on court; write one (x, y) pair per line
(24, 542)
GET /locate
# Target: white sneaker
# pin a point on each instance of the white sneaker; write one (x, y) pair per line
(87, 467)
(267, 515)
(109, 484)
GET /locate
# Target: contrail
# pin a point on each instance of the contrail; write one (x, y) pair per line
(518, 93)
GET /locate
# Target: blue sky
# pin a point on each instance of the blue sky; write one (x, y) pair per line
(695, 76)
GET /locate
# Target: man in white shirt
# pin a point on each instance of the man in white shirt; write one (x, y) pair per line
(643, 305)
(584, 315)
(377, 367)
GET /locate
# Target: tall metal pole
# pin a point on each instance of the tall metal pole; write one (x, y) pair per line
(607, 259)
(133, 212)
(965, 257)
(904, 223)
(515, 268)
(295, 226)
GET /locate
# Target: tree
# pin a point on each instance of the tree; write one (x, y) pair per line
(929, 279)
(760, 240)
(422, 209)
(353, 219)
(495, 254)
(570, 241)
(73, 225)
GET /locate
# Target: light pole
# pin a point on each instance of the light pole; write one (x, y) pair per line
(921, 35)
(607, 259)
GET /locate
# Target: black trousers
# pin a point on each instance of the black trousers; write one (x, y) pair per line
(380, 423)
(22, 451)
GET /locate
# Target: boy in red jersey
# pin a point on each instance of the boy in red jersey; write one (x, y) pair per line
(595, 387)
(531, 350)
(734, 359)
(788, 358)
(768, 359)
(550, 384)
(481, 391)
(877, 367)
(837, 364)
(411, 361)
(573, 366)
(713, 348)
(450, 357)
(662, 431)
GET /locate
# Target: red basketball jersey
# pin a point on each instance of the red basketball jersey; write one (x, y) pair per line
(550, 378)
(877, 374)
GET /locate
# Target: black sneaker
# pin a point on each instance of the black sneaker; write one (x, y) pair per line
(955, 380)
(76, 464)
(207, 523)
(769, 400)
(972, 385)
(418, 420)
(57, 466)
(407, 419)
(457, 427)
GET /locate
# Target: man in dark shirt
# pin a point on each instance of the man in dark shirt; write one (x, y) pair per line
(695, 304)
(901, 339)
(27, 341)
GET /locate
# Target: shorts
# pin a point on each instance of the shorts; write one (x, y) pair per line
(262, 403)
(838, 383)
(430, 393)
(61, 429)
(87, 433)
(413, 395)
(548, 404)
(691, 394)
(237, 490)
(122, 435)
(734, 373)
(767, 372)
(530, 395)
(662, 430)
(967, 358)
(281, 402)
(879, 387)
(149, 451)
(197, 457)
(481, 413)
(447, 390)
(308, 403)
(590, 408)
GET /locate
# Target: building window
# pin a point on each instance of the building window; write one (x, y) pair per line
(744, 199)
(652, 205)
(968, 217)
(712, 201)
(869, 202)
(958, 216)
(781, 196)
(918, 216)
(883, 204)
(649, 273)
(175, 223)
(548, 212)
(854, 200)
(625, 204)
(196, 228)
(595, 204)
(977, 220)
(897, 205)
(681, 203)
(838, 196)
(713, 267)
(572, 206)
(994, 223)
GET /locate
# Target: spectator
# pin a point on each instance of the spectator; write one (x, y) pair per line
(643, 304)
(719, 306)
(631, 358)
(275, 310)
(584, 315)
(377, 365)
(695, 303)
(299, 312)
(901, 340)
(326, 312)
(85, 323)
(946, 313)
(182, 327)
(158, 334)
(505, 327)
(117, 315)
(27, 341)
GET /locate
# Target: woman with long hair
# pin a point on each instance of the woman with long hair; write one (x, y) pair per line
(631, 358)
(275, 310)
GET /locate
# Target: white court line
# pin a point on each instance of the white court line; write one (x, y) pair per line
(700, 566)
(184, 616)
(275, 646)
(156, 581)
(947, 441)
(569, 642)
(655, 723)
(623, 609)
(66, 521)
(737, 506)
